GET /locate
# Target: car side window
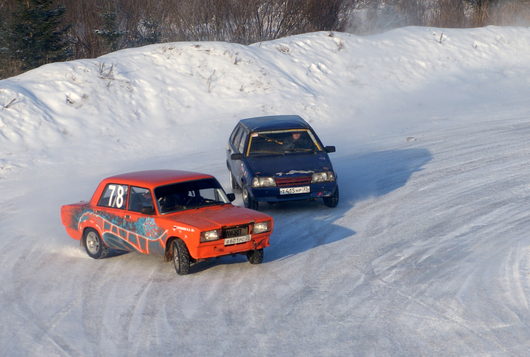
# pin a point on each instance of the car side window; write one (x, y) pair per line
(234, 134)
(237, 138)
(140, 200)
(242, 142)
(114, 196)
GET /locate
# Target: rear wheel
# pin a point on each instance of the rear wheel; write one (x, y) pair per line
(333, 200)
(94, 245)
(181, 257)
(255, 256)
(248, 201)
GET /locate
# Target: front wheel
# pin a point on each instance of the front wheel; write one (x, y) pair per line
(248, 201)
(255, 256)
(94, 245)
(181, 257)
(333, 200)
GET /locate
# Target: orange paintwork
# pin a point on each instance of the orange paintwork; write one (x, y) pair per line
(150, 233)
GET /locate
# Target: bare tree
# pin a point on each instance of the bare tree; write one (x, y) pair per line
(510, 12)
(448, 13)
(141, 22)
(481, 12)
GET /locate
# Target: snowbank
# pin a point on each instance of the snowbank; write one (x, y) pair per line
(156, 95)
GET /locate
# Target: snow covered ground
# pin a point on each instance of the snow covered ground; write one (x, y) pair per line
(428, 252)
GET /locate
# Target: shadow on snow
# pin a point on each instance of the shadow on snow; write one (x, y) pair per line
(301, 226)
(304, 225)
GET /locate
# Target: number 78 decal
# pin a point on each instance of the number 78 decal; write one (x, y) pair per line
(117, 193)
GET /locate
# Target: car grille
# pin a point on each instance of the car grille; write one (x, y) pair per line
(292, 181)
(235, 231)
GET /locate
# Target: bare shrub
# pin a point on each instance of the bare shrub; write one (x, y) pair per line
(511, 12)
(141, 22)
(448, 13)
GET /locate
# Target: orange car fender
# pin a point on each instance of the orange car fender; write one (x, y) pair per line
(189, 235)
(169, 241)
(93, 223)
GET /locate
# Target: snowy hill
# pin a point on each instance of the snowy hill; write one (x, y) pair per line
(428, 252)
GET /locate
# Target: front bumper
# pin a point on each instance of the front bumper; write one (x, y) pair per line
(272, 194)
(217, 248)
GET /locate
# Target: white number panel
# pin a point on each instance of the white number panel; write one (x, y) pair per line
(114, 196)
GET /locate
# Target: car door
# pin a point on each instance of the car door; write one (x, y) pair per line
(231, 148)
(236, 145)
(111, 211)
(143, 233)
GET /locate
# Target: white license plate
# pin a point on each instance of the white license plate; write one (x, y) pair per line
(294, 190)
(237, 240)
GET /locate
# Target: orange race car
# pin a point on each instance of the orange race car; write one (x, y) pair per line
(184, 216)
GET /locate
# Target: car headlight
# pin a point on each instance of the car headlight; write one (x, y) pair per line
(263, 182)
(261, 227)
(210, 235)
(326, 176)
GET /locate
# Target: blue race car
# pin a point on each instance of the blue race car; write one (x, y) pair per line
(280, 158)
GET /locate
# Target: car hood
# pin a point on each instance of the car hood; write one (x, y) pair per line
(289, 164)
(214, 217)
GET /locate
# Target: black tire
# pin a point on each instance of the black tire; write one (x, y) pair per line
(333, 200)
(181, 257)
(94, 245)
(248, 201)
(255, 256)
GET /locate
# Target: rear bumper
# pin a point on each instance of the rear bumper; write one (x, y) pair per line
(70, 218)
(217, 248)
(272, 194)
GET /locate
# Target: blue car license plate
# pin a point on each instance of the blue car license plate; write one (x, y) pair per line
(294, 190)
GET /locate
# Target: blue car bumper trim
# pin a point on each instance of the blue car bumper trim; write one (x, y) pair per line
(272, 194)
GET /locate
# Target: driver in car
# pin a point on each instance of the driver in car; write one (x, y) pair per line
(297, 141)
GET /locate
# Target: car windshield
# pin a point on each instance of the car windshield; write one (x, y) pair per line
(189, 195)
(282, 142)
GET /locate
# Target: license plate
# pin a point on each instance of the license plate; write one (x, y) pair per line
(237, 240)
(294, 190)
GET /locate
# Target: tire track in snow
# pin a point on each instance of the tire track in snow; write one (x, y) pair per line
(37, 330)
(424, 253)
(415, 266)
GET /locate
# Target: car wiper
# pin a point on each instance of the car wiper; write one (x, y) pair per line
(266, 153)
(207, 204)
(216, 203)
(298, 151)
(271, 140)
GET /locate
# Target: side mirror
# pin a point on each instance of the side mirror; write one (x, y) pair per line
(236, 156)
(329, 149)
(231, 196)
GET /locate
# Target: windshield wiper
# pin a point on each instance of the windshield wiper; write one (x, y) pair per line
(299, 150)
(266, 153)
(271, 140)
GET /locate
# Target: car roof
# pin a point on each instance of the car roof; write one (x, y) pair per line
(155, 178)
(275, 122)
